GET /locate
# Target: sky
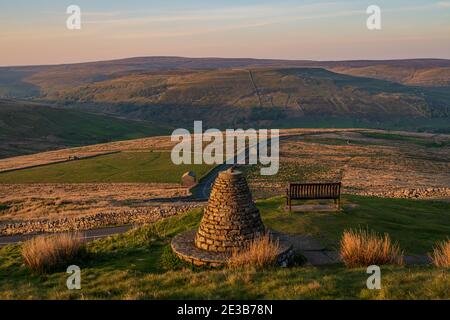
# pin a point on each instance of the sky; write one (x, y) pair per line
(35, 32)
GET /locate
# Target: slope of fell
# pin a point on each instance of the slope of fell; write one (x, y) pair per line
(294, 91)
(29, 128)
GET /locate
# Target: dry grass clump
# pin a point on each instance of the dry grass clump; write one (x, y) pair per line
(262, 252)
(46, 253)
(362, 248)
(441, 254)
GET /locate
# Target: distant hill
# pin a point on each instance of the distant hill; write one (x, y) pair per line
(33, 80)
(30, 128)
(175, 91)
(256, 95)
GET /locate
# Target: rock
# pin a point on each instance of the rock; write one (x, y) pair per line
(189, 179)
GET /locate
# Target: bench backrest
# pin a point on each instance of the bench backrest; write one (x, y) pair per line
(314, 190)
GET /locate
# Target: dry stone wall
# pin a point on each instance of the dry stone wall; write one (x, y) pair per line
(99, 220)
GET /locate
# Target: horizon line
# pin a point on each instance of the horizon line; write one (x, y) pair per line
(216, 57)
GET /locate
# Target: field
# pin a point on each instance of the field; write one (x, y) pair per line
(140, 265)
(380, 163)
(22, 203)
(111, 183)
(124, 167)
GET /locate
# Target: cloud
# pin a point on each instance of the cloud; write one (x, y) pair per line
(443, 4)
(219, 15)
(200, 22)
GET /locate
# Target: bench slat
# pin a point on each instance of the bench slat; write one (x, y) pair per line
(309, 191)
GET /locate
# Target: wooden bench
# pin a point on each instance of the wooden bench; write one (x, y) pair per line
(313, 191)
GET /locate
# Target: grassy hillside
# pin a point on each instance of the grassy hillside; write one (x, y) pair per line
(303, 91)
(52, 78)
(409, 75)
(29, 128)
(140, 265)
(256, 97)
(14, 85)
(114, 168)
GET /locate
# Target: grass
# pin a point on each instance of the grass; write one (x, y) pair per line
(441, 254)
(416, 224)
(333, 141)
(30, 128)
(114, 168)
(262, 252)
(397, 138)
(424, 142)
(46, 253)
(435, 125)
(288, 172)
(140, 265)
(362, 248)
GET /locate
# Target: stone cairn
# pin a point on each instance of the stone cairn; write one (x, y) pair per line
(230, 222)
(231, 219)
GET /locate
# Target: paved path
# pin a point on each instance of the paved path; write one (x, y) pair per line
(314, 252)
(89, 235)
(203, 189)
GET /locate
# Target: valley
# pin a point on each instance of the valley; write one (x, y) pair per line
(175, 91)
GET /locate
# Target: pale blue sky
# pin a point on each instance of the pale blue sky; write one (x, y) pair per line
(35, 33)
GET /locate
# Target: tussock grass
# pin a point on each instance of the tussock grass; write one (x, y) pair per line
(261, 252)
(46, 253)
(441, 254)
(362, 248)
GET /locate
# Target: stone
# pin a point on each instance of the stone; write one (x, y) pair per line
(231, 208)
(230, 222)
